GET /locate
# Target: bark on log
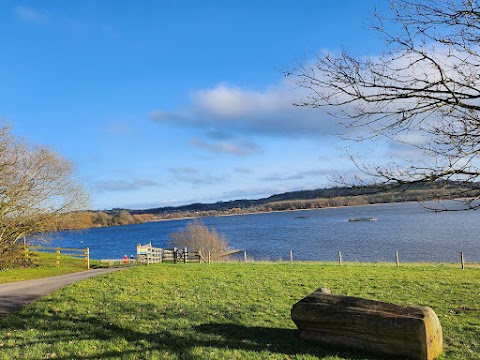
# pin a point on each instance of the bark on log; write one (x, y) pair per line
(374, 326)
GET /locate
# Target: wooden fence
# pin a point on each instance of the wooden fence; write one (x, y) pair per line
(147, 254)
(118, 262)
(71, 252)
(341, 261)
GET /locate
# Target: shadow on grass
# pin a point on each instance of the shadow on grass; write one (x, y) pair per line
(255, 341)
(275, 341)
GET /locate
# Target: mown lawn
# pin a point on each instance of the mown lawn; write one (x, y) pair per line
(228, 311)
(44, 265)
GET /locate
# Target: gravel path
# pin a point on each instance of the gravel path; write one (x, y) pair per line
(15, 295)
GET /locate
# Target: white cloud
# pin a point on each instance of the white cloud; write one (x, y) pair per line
(117, 128)
(122, 185)
(198, 180)
(240, 148)
(301, 175)
(226, 102)
(61, 21)
(184, 170)
(29, 14)
(241, 170)
(228, 110)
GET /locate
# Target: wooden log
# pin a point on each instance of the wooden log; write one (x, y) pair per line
(373, 326)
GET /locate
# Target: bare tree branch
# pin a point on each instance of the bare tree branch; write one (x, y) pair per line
(36, 187)
(426, 83)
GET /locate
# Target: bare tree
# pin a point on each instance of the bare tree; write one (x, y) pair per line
(198, 237)
(37, 190)
(423, 91)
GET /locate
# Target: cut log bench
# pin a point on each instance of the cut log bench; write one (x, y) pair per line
(373, 326)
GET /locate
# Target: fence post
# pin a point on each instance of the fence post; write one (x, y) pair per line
(87, 258)
(462, 260)
(397, 260)
(209, 257)
(185, 255)
(27, 252)
(58, 257)
(340, 260)
(175, 254)
(245, 255)
(291, 256)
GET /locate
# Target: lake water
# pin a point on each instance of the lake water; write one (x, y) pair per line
(415, 232)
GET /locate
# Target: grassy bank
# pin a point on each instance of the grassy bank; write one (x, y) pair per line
(44, 265)
(228, 311)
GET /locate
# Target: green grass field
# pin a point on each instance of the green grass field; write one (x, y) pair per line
(229, 311)
(44, 265)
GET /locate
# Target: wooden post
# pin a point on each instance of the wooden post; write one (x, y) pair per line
(185, 255)
(149, 254)
(340, 261)
(245, 255)
(175, 253)
(58, 257)
(209, 257)
(87, 258)
(462, 260)
(291, 256)
(27, 252)
(397, 261)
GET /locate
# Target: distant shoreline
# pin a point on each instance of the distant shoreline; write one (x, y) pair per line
(292, 201)
(284, 211)
(310, 209)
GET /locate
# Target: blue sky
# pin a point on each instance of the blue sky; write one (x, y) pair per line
(176, 101)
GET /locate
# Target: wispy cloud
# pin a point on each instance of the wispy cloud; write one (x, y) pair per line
(37, 16)
(29, 14)
(227, 109)
(240, 148)
(122, 185)
(302, 175)
(198, 180)
(184, 170)
(117, 128)
(191, 175)
(241, 170)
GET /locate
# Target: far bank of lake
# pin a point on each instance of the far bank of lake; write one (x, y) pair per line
(418, 234)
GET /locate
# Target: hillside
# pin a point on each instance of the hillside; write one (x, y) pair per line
(294, 200)
(344, 196)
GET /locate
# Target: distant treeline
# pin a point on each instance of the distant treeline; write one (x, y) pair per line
(91, 219)
(296, 200)
(331, 197)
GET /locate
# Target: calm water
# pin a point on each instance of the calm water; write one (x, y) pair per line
(418, 234)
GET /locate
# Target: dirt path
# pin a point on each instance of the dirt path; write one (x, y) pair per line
(14, 296)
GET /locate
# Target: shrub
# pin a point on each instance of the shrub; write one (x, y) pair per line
(198, 237)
